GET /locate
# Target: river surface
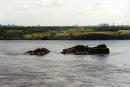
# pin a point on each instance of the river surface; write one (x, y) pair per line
(57, 70)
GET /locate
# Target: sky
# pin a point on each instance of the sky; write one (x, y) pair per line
(64, 12)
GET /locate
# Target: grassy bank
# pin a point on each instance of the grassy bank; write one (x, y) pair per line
(65, 33)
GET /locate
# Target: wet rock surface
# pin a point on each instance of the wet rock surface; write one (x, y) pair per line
(86, 50)
(39, 52)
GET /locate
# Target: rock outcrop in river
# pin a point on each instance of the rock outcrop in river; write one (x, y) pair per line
(86, 50)
(39, 52)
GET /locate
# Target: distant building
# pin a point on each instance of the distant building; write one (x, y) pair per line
(113, 24)
(104, 25)
(75, 25)
(38, 25)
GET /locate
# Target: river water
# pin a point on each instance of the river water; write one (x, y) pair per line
(57, 70)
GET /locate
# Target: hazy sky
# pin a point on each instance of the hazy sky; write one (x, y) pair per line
(64, 12)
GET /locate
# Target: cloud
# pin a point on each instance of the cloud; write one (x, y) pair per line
(51, 3)
(56, 12)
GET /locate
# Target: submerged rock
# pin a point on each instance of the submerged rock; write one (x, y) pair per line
(86, 50)
(39, 52)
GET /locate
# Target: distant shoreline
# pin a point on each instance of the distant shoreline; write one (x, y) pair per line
(65, 33)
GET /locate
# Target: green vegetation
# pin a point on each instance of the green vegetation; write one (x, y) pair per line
(65, 33)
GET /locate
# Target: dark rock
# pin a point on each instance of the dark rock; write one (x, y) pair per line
(100, 49)
(77, 50)
(101, 46)
(39, 52)
(85, 50)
